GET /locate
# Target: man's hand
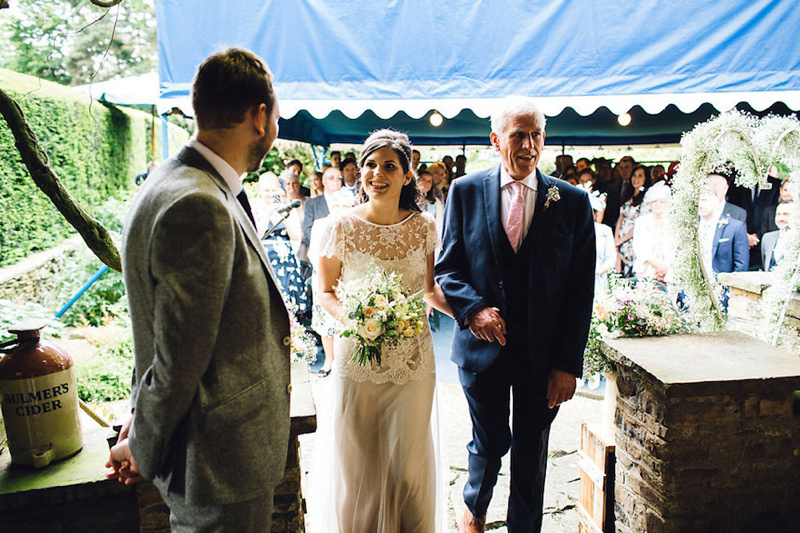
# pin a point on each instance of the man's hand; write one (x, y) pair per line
(123, 464)
(560, 387)
(487, 325)
(752, 239)
(126, 427)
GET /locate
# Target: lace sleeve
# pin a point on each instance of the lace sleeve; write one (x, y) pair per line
(330, 241)
(431, 235)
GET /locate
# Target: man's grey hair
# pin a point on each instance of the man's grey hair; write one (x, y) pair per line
(512, 106)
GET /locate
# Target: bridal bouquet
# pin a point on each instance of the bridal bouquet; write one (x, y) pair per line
(377, 310)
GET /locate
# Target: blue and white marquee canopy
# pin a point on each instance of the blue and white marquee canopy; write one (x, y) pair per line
(344, 67)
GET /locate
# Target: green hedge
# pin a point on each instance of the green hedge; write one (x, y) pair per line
(96, 150)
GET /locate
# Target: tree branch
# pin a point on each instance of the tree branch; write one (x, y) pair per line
(110, 3)
(3, 4)
(93, 232)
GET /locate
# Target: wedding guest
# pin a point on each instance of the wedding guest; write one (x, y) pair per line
(657, 173)
(295, 166)
(449, 165)
(461, 166)
(317, 208)
(296, 215)
(775, 242)
(628, 213)
(415, 157)
(282, 244)
(755, 201)
(652, 243)
(269, 196)
(587, 176)
(583, 163)
(718, 184)
(335, 158)
(618, 188)
(604, 178)
(570, 175)
(604, 239)
(722, 239)
(315, 180)
(768, 224)
(430, 202)
(349, 169)
(562, 162)
(439, 173)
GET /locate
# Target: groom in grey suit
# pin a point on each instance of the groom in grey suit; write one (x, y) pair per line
(210, 423)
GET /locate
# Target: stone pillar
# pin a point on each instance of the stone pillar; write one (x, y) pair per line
(707, 434)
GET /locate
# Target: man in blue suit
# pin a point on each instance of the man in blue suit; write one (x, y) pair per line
(723, 238)
(517, 268)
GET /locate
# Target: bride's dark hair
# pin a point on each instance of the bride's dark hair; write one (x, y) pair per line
(399, 143)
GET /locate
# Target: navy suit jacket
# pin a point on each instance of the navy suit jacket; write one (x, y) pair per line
(561, 271)
(730, 252)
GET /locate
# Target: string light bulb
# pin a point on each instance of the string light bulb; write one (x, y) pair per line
(624, 119)
(436, 119)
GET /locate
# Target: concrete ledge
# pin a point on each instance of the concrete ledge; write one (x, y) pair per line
(34, 261)
(754, 282)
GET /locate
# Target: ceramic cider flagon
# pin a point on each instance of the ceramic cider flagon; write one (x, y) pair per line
(39, 399)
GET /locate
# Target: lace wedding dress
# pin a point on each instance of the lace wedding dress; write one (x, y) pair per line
(375, 467)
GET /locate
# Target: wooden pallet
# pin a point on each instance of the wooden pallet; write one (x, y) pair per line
(596, 461)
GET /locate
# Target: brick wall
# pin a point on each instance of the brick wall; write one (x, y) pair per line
(705, 455)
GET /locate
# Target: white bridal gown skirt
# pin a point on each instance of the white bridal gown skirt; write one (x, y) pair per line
(375, 459)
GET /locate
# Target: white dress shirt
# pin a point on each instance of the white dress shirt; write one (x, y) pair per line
(507, 196)
(223, 168)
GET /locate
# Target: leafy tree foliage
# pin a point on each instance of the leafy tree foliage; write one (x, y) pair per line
(66, 40)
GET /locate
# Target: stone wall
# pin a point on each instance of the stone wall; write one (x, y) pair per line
(699, 452)
(744, 306)
(35, 278)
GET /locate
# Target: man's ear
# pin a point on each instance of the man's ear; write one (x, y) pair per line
(495, 141)
(258, 116)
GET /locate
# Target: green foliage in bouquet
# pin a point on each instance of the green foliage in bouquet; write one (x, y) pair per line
(628, 310)
(378, 310)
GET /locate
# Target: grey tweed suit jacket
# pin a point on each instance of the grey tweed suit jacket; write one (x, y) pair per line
(211, 381)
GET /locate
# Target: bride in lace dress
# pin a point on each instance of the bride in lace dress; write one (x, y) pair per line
(379, 471)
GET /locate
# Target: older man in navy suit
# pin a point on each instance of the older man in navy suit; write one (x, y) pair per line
(517, 268)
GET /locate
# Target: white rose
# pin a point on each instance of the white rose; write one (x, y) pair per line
(602, 329)
(370, 330)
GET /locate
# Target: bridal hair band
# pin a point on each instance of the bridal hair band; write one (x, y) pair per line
(395, 140)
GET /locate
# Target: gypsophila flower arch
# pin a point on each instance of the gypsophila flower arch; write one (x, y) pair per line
(752, 144)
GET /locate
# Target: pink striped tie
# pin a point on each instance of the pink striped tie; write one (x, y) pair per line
(516, 214)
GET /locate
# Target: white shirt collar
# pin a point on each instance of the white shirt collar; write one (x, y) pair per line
(530, 181)
(223, 168)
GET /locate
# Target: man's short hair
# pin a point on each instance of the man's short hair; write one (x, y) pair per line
(718, 184)
(346, 161)
(226, 85)
(295, 162)
(512, 106)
